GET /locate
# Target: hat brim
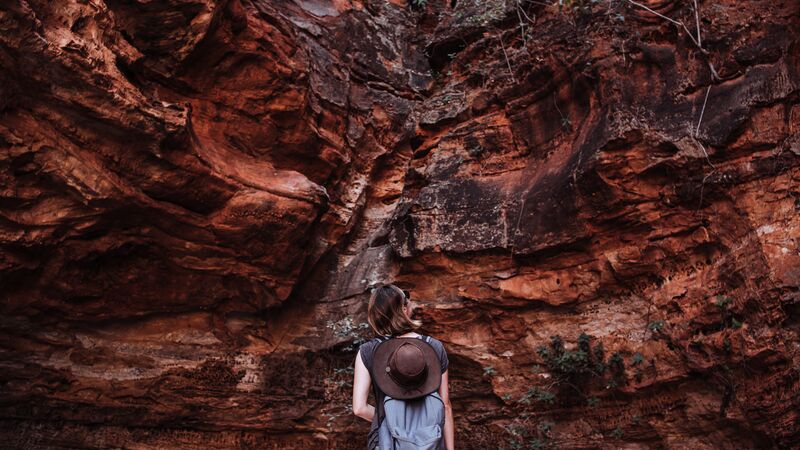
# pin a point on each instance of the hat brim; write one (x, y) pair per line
(388, 386)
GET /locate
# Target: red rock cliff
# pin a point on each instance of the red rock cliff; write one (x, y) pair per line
(196, 195)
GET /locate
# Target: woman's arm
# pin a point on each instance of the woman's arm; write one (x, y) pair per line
(361, 385)
(449, 427)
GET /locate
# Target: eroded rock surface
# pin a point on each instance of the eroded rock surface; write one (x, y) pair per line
(197, 194)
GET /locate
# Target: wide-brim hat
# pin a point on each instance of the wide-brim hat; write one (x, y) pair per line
(406, 368)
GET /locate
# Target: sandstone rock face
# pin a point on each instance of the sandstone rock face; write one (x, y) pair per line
(197, 194)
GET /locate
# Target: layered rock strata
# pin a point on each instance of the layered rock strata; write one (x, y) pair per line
(198, 194)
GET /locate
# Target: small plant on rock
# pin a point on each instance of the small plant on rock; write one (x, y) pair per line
(656, 326)
(723, 304)
(569, 363)
(579, 369)
(475, 150)
(538, 394)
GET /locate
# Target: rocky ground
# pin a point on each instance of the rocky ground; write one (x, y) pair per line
(196, 195)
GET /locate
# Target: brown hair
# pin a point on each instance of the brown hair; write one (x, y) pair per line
(386, 313)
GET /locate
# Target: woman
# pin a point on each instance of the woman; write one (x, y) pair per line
(389, 314)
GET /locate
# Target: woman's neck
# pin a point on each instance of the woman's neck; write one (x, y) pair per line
(409, 334)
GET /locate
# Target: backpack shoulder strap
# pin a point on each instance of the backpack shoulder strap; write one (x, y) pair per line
(375, 391)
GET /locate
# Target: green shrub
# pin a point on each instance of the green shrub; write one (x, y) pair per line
(475, 151)
(617, 366)
(723, 301)
(599, 358)
(579, 370)
(570, 363)
(538, 394)
(537, 444)
(656, 326)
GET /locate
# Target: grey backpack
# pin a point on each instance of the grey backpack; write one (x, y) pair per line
(414, 424)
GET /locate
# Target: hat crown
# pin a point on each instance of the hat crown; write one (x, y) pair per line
(407, 365)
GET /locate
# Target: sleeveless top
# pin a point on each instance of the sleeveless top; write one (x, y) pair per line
(367, 350)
